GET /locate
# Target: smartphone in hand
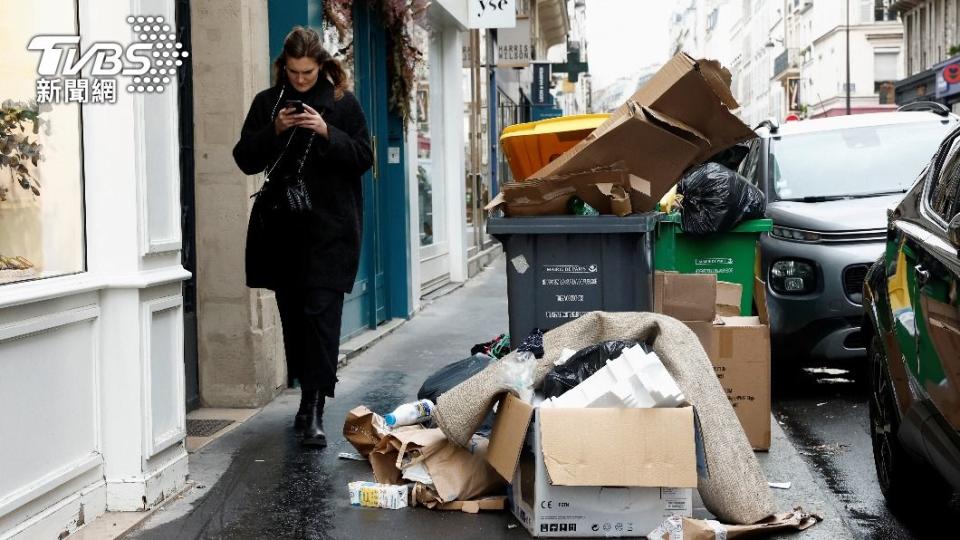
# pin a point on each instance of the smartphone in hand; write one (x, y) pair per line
(295, 104)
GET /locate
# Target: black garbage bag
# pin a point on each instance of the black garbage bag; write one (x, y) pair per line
(453, 374)
(581, 365)
(716, 199)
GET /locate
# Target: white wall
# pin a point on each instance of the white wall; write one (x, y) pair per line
(91, 365)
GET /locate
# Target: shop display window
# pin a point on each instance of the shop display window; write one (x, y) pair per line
(41, 162)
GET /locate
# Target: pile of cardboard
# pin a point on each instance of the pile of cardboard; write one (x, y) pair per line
(738, 347)
(588, 472)
(678, 119)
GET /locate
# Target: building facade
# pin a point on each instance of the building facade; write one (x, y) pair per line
(790, 56)
(92, 308)
(932, 51)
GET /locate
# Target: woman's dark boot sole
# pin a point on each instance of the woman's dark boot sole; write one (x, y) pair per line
(316, 441)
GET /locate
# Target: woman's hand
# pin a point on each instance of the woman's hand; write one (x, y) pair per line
(285, 120)
(311, 119)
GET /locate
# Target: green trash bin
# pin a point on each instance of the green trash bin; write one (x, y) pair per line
(730, 255)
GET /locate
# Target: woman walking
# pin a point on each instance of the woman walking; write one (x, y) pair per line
(309, 134)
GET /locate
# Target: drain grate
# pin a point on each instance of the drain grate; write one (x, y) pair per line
(205, 428)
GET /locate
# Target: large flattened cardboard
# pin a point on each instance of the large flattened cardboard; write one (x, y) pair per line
(550, 510)
(739, 348)
(679, 118)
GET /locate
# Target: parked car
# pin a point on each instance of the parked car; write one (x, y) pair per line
(912, 327)
(828, 183)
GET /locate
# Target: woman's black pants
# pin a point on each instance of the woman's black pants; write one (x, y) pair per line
(311, 335)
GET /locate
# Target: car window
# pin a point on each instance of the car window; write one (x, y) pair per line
(749, 167)
(943, 192)
(853, 162)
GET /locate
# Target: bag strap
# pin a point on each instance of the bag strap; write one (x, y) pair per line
(273, 118)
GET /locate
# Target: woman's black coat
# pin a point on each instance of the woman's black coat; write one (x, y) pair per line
(321, 248)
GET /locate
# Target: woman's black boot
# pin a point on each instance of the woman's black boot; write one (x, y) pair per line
(303, 413)
(313, 434)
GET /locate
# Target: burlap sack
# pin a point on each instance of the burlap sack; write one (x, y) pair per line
(736, 490)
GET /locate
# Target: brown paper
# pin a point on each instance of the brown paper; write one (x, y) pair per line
(458, 474)
(677, 528)
(618, 198)
(364, 429)
(427, 496)
(550, 195)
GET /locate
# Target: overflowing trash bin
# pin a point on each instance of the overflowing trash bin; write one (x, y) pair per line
(560, 267)
(730, 255)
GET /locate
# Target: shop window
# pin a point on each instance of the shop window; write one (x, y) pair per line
(41, 172)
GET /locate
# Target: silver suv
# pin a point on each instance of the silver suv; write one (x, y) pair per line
(828, 184)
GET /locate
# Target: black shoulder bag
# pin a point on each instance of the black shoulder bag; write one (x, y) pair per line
(294, 197)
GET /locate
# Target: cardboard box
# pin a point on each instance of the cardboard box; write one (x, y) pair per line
(739, 348)
(687, 297)
(760, 298)
(729, 296)
(606, 480)
(679, 118)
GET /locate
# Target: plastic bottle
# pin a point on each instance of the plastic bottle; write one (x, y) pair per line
(579, 207)
(410, 413)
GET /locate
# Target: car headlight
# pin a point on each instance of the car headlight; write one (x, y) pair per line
(793, 277)
(796, 235)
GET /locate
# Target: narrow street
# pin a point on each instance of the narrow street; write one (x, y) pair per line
(826, 416)
(257, 482)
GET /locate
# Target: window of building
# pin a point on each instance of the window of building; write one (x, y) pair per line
(425, 157)
(41, 172)
(885, 67)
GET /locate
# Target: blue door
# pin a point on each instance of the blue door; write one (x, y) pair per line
(383, 286)
(381, 289)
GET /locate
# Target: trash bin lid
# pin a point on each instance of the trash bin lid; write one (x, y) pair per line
(634, 223)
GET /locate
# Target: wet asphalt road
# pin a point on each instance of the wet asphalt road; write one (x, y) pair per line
(825, 413)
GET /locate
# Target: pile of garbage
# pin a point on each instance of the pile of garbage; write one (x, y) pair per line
(676, 128)
(621, 429)
(604, 425)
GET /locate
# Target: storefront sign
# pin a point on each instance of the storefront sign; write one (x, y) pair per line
(514, 48)
(793, 94)
(492, 13)
(948, 77)
(542, 112)
(540, 88)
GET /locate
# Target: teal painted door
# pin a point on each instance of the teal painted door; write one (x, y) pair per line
(365, 307)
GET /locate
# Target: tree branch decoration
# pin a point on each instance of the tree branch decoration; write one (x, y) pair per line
(398, 17)
(17, 149)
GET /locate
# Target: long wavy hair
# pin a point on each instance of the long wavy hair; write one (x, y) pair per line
(304, 42)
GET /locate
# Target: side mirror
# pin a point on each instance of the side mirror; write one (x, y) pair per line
(953, 231)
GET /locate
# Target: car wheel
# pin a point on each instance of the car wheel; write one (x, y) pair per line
(900, 477)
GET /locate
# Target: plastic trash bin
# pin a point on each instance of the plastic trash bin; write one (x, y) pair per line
(560, 267)
(531, 145)
(730, 255)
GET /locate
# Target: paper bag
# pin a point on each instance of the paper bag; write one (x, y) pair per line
(456, 473)
(364, 429)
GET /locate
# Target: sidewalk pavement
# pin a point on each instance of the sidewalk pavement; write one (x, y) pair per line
(257, 482)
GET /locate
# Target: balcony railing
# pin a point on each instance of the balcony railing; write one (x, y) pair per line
(786, 60)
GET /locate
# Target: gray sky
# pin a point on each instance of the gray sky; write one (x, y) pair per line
(625, 35)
